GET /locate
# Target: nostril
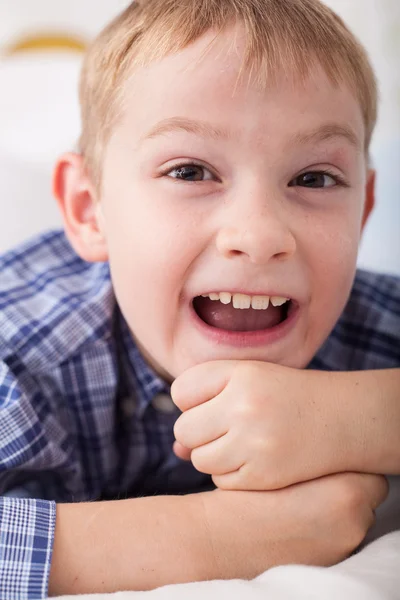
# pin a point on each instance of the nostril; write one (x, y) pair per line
(281, 255)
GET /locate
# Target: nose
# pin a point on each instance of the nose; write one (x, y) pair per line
(259, 232)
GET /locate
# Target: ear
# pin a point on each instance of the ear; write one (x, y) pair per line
(80, 208)
(369, 202)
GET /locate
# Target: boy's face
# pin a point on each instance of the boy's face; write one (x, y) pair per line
(212, 185)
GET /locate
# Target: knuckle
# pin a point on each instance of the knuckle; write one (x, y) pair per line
(250, 477)
(351, 530)
(350, 540)
(351, 496)
(234, 481)
(243, 409)
(180, 431)
(272, 481)
(199, 462)
(248, 406)
(246, 371)
(176, 393)
(177, 431)
(357, 529)
(272, 451)
(224, 483)
(357, 518)
(242, 369)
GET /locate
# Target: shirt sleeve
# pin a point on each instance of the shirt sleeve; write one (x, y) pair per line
(26, 543)
(30, 455)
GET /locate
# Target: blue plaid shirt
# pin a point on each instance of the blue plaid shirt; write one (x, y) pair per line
(83, 417)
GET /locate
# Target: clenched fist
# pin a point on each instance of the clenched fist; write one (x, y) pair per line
(261, 426)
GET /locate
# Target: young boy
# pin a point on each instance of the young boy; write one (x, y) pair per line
(214, 210)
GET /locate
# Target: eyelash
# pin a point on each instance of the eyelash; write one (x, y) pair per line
(340, 181)
(186, 164)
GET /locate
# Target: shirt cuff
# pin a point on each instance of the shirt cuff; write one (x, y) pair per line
(26, 544)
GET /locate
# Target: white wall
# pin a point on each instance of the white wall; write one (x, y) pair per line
(39, 115)
(377, 24)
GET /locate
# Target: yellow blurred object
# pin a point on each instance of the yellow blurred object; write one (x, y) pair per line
(47, 42)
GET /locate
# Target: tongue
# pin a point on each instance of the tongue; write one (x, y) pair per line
(224, 316)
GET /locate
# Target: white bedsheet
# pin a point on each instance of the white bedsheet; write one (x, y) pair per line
(372, 574)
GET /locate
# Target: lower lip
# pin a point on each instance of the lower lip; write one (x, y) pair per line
(245, 339)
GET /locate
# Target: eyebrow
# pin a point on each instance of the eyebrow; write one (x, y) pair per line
(200, 128)
(326, 133)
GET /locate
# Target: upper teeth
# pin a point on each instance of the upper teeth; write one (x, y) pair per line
(243, 301)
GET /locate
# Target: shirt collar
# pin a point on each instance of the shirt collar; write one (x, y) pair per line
(141, 377)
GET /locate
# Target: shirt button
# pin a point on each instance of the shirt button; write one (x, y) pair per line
(163, 403)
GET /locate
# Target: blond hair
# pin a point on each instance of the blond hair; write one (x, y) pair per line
(293, 35)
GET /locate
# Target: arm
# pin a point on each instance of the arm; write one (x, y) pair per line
(369, 402)
(98, 547)
(145, 543)
(137, 544)
(261, 426)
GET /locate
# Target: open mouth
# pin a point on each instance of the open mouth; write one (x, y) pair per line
(242, 313)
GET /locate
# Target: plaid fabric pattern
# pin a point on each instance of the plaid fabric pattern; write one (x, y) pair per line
(78, 417)
(26, 533)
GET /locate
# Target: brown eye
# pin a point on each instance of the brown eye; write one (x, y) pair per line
(314, 179)
(190, 173)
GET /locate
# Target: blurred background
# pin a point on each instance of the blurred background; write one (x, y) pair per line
(41, 47)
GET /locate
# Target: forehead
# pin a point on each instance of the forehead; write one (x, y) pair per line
(207, 81)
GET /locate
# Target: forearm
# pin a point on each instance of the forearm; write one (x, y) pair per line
(137, 544)
(370, 406)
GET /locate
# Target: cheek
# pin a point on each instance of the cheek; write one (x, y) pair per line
(332, 258)
(150, 253)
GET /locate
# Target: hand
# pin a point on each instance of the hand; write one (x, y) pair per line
(260, 426)
(320, 523)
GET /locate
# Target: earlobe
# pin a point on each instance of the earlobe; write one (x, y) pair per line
(369, 202)
(80, 208)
